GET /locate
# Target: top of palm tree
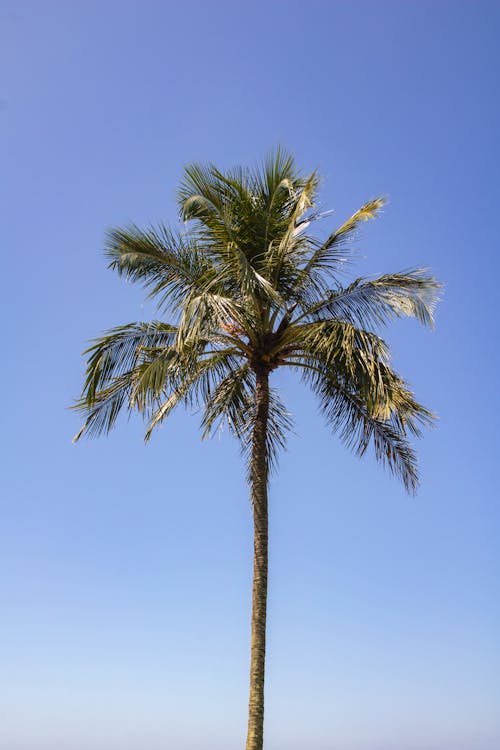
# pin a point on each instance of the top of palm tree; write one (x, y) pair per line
(247, 288)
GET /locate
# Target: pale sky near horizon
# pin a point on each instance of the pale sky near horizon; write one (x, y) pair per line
(125, 571)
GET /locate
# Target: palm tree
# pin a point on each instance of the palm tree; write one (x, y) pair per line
(247, 290)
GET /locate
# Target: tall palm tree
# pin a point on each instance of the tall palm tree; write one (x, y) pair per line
(246, 289)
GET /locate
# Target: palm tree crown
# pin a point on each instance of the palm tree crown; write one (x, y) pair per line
(247, 289)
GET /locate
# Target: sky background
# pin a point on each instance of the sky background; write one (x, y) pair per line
(125, 571)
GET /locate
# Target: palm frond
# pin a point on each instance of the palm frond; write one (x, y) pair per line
(193, 383)
(335, 343)
(199, 195)
(232, 404)
(102, 412)
(376, 302)
(360, 420)
(167, 263)
(328, 256)
(280, 423)
(288, 244)
(206, 315)
(112, 371)
(118, 351)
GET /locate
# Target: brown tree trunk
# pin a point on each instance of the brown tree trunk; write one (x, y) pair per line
(259, 469)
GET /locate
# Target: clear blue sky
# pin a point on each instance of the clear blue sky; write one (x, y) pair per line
(124, 570)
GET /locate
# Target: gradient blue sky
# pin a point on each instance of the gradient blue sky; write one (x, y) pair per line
(124, 570)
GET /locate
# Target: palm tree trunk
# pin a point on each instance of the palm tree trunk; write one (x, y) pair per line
(259, 469)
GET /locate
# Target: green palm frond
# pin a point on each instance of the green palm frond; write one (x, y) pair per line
(204, 315)
(200, 195)
(190, 384)
(278, 170)
(117, 352)
(103, 410)
(376, 302)
(232, 404)
(167, 264)
(280, 424)
(329, 256)
(361, 418)
(327, 252)
(111, 370)
(288, 248)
